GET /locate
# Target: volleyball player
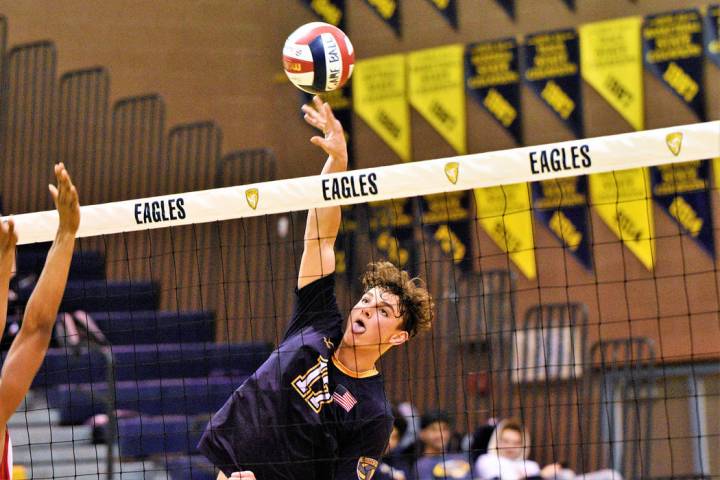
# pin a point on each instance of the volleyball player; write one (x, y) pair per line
(316, 409)
(29, 347)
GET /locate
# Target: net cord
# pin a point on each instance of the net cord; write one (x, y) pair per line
(647, 148)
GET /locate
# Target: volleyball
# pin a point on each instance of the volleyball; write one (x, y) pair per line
(318, 57)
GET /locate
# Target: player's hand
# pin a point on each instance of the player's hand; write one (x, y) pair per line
(244, 475)
(320, 115)
(8, 240)
(66, 201)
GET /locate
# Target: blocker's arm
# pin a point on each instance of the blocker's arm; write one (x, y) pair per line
(29, 347)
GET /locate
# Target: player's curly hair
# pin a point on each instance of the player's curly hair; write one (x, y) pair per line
(416, 304)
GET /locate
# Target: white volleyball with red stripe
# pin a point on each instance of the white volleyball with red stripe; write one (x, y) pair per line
(318, 57)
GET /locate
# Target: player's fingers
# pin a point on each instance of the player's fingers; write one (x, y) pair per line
(72, 195)
(327, 109)
(309, 110)
(69, 178)
(11, 232)
(334, 126)
(318, 102)
(316, 116)
(313, 121)
(319, 141)
(8, 238)
(65, 179)
(54, 192)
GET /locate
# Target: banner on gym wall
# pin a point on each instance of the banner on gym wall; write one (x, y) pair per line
(492, 77)
(552, 69)
(611, 59)
(380, 99)
(673, 51)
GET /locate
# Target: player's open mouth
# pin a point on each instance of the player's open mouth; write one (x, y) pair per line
(358, 327)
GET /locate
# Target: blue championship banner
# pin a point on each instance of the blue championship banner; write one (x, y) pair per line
(508, 6)
(329, 11)
(673, 52)
(446, 218)
(683, 191)
(391, 229)
(552, 69)
(492, 77)
(448, 9)
(712, 33)
(388, 11)
(562, 206)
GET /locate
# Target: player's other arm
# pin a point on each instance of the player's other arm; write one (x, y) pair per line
(323, 224)
(29, 347)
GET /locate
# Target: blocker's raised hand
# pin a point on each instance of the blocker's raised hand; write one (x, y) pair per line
(8, 240)
(66, 200)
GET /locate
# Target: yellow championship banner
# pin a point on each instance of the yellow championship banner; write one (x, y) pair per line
(623, 201)
(379, 98)
(611, 62)
(504, 213)
(437, 91)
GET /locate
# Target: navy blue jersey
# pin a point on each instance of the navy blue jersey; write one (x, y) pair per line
(302, 414)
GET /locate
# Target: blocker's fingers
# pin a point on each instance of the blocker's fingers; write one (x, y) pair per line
(54, 192)
(318, 102)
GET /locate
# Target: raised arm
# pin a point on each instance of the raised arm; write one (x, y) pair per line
(8, 239)
(29, 347)
(323, 224)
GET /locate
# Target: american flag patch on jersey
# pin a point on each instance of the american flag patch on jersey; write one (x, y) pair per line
(344, 398)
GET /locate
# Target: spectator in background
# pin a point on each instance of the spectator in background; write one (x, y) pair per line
(506, 459)
(412, 419)
(396, 464)
(437, 460)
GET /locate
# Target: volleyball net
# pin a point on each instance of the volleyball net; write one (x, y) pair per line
(575, 284)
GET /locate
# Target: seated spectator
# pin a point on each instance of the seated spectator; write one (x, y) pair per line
(412, 419)
(436, 462)
(506, 459)
(476, 443)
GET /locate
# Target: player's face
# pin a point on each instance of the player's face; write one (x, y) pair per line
(435, 437)
(510, 444)
(374, 321)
